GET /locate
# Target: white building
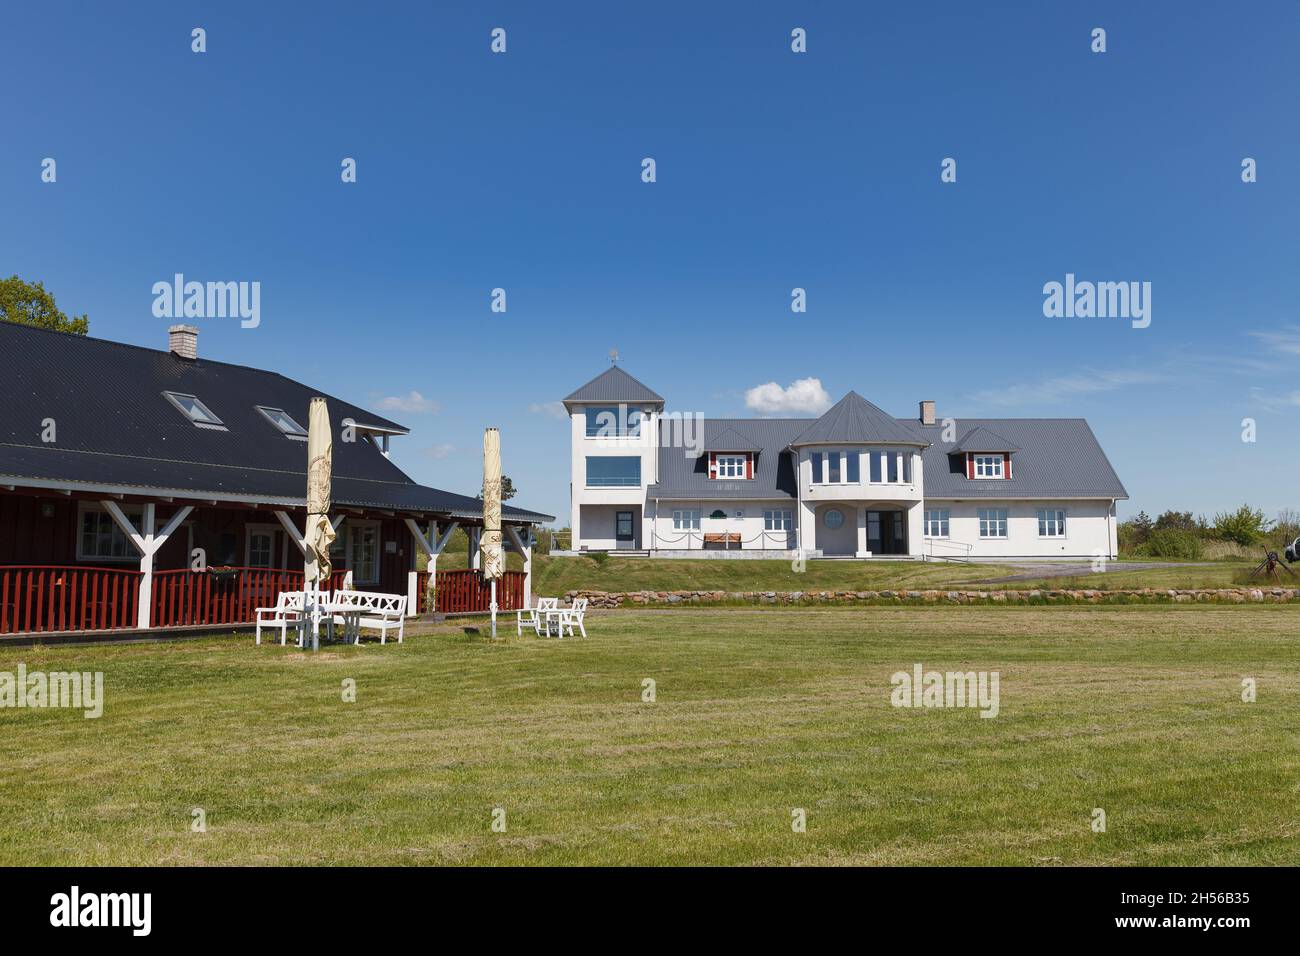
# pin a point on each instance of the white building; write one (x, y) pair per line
(855, 482)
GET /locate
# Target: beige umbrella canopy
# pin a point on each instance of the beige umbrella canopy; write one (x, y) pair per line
(493, 561)
(320, 462)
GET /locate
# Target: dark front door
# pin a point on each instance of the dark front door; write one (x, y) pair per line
(885, 532)
(623, 533)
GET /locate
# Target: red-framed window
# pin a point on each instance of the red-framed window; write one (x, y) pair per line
(731, 465)
(988, 465)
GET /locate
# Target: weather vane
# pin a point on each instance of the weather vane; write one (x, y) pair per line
(613, 356)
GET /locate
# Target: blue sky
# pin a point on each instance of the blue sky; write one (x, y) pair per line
(775, 170)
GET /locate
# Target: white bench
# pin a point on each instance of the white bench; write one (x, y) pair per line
(378, 612)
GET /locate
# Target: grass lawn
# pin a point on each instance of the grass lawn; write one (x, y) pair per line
(1136, 710)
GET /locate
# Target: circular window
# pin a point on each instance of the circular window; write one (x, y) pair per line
(833, 518)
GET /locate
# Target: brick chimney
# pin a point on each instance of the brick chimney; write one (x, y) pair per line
(927, 413)
(183, 340)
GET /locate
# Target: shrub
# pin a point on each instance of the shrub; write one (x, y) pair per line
(1244, 526)
(1173, 543)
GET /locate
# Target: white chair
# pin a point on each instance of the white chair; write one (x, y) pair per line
(287, 613)
(535, 617)
(377, 612)
(573, 615)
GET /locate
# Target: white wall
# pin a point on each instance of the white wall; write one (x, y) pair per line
(645, 446)
(743, 517)
(1089, 529)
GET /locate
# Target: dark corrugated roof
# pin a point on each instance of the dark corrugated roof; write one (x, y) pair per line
(114, 427)
(854, 419)
(684, 477)
(982, 439)
(1057, 458)
(731, 440)
(614, 385)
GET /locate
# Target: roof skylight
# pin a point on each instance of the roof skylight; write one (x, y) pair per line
(193, 409)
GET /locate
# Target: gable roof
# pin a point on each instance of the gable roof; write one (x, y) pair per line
(614, 385)
(115, 428)
(854, 419)
(731, 440)
(982, 439)
(1056, 458)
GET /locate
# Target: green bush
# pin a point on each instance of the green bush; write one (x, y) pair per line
(1244, 526)
(1173, 543)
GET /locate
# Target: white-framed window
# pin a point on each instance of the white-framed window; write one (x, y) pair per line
(363, 551)
(283, 421)
(193, 409)
(778, 519)
(993, 522)
(731, 466)
(100, 539)
(988, 466)
(259, 545)
(1051, 522)
(936, 523)
(686, 519)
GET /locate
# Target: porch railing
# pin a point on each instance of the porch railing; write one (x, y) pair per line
(221, 595)
(463, 590)
(44, 598)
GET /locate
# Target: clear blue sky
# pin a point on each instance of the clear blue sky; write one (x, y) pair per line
(775, 170)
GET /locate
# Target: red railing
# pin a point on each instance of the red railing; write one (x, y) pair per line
(36, 598)
(464, 590)
(225, 596)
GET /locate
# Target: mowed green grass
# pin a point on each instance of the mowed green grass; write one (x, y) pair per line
(1136, 710)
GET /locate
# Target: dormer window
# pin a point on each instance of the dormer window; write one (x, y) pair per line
(199, 414)
(283, 421)
(988, 465)
(730, 466)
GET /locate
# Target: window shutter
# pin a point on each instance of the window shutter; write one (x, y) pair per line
(1006, 464)
(749, 466)
(713, 465)
(970, 464)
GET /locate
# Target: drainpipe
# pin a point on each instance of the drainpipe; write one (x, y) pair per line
(798, 491)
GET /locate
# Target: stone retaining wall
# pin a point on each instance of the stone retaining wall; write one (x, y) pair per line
(610, 599)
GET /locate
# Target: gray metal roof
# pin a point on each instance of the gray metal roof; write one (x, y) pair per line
(854, 419)
(982, 439)
(1057, 458)
(614, 385)
(732, 440)
(687, 478)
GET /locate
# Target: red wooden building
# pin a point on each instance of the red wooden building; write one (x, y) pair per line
(145, 489)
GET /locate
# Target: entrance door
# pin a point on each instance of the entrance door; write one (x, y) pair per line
(885, 532)
(624, 537)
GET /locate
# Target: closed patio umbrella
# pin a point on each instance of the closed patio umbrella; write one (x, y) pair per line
(319, 533)
(492, 559)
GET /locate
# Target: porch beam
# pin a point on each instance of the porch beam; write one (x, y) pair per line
(291, 529)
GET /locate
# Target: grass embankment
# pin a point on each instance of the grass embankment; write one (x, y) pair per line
(1136, 710)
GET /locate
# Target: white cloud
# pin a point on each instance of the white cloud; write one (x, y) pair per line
(443, 450)
(804, 396)
(1051, 390)
(1287, 340)
(553, 409)
(413, 403)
